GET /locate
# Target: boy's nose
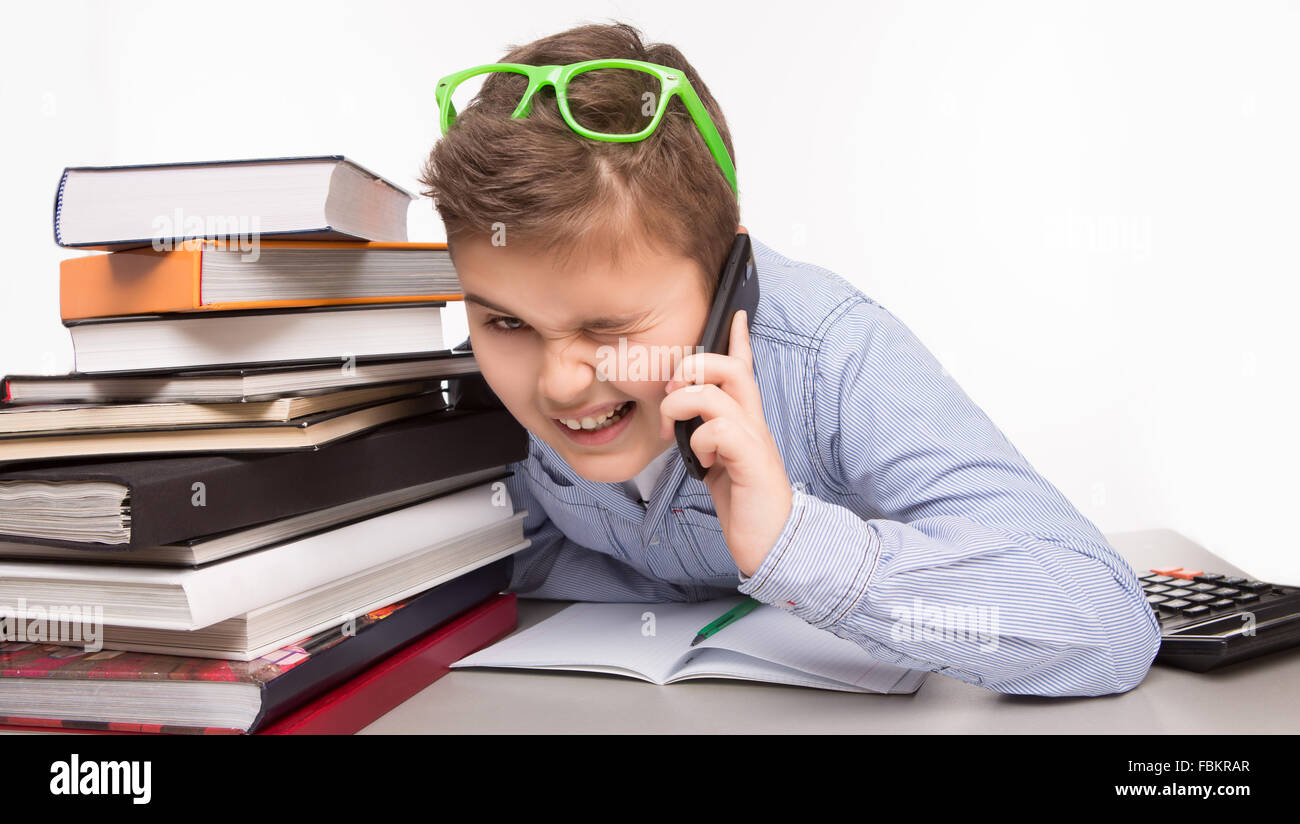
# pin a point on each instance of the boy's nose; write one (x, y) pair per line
(565, 378)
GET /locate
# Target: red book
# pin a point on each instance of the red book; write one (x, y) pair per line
(368, 695)
(357, 703)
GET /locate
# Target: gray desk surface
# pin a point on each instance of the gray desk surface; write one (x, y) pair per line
(1256, 696)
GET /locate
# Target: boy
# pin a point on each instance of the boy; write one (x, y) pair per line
(850, 480)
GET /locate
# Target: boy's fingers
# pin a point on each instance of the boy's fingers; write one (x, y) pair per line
(706, 400)
(721, 440)
(740, 339)
(734, 375)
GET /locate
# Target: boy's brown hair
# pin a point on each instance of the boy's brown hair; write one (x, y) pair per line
(560, 192)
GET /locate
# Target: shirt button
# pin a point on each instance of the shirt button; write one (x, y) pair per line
(654, 540)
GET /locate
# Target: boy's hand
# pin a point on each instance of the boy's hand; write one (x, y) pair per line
(746, 477)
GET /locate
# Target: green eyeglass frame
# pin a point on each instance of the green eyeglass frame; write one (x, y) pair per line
(672, 82)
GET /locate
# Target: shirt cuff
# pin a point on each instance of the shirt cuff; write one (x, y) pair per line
(820, 565)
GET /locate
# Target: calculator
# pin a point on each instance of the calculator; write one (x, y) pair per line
(1208, 620)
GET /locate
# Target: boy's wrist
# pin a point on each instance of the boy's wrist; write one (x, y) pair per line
(820, 564)
(764, 568)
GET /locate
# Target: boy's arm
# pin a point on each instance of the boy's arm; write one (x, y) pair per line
(555, 567)
(978, 568)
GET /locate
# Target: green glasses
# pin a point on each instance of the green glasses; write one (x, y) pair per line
(649, 87)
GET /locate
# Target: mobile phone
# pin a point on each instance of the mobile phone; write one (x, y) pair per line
(737, 289)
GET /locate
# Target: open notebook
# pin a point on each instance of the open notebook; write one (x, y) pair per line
(652, 642)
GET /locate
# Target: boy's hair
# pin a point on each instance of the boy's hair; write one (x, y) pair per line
(562, 193)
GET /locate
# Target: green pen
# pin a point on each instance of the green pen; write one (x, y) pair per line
(729, 617)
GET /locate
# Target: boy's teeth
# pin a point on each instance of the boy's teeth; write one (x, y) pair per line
(592, 423)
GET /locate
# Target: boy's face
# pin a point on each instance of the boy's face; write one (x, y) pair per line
(563, 355)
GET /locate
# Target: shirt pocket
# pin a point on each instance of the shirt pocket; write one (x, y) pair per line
(705, 538)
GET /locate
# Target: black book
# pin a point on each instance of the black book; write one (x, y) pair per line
(169, 500)
(238, 384)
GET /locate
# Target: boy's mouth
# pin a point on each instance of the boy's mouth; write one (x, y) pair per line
(593, 431)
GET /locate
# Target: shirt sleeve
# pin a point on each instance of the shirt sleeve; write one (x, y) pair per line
(935, 544)
(554, 567)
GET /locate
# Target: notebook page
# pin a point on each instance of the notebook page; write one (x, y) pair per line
(723, 663)
(772, 634)
(600, 636)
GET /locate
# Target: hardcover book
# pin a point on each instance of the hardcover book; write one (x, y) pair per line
(50, 686)
(326, 197)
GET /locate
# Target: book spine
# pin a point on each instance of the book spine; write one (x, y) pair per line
(58, 209)
(197, 284)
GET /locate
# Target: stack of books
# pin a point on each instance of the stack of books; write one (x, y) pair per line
(268, 498)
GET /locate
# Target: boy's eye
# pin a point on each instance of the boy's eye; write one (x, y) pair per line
(491, 323)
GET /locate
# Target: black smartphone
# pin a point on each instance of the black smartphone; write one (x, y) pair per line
(737, 289)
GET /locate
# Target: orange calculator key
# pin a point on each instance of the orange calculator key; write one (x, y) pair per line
(1189, 574)
(1166, 570)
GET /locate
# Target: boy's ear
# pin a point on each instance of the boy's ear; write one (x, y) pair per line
(741, 230)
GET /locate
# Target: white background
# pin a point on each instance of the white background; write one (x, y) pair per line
(1087, 211)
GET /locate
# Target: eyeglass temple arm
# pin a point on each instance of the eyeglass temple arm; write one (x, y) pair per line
(709, 132)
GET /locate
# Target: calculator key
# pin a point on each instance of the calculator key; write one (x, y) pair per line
(1178, 593)
(1156, 599)
(1202, 587)
(1199, 609)
(1157, 579)
(1200, 597)
(1175, 604)
(1225, 591)
(1156, 589)
(1232, 582)
(1209, 577)
(1256, 586)
(1187, 574)
(1245, 597)
(1222, 603)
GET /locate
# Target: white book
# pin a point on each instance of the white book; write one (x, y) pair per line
(253, 337)
(327, 197)
(196, 598)
(278, 625)
(652, 642)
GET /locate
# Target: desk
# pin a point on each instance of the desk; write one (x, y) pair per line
(1256, 696)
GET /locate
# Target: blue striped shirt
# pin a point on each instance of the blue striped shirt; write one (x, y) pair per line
(917, 530)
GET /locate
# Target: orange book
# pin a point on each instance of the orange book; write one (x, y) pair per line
(207, 275)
